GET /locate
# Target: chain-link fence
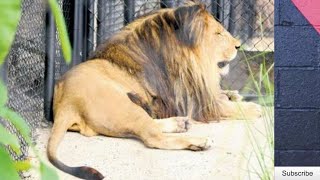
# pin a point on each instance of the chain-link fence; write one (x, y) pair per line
(251, 21)
(25, 68)
(90, 22)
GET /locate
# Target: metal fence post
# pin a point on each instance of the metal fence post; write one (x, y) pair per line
(89, 27)
(77, 54)
(217, 9)
(3, 72)
(167, 3)
(128, 11)
(101, 15)
(49, 66)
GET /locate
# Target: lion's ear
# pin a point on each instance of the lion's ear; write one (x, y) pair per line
(190, 23)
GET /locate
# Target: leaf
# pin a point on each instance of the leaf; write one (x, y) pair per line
(47, 173)
(22, 165)
(6, 138)
(17, 121)
(10, 13)
(7, 169)
(62, 30)
(3, 94)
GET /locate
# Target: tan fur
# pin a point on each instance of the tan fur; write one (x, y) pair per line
(149, 79)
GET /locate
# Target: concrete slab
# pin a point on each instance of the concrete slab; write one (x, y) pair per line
(231, 157)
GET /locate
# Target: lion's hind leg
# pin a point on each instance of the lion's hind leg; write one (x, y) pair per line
(153, 136)
(133, 120)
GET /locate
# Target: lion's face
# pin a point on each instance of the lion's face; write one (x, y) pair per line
(221, 45)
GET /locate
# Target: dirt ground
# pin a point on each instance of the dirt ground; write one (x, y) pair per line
(231, 156)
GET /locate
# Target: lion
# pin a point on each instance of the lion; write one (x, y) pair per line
(147, 80)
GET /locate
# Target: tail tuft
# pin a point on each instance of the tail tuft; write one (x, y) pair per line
(89, 173)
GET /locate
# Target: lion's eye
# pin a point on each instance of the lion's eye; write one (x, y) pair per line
(219, 33)
(223, 64)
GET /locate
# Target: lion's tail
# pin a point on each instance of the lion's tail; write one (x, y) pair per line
(83, 172)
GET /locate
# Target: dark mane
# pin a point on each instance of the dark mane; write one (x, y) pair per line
(163, 50)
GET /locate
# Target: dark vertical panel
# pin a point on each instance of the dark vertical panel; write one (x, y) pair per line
(89, 23)
(78, 33)
(129, 9)
(216, 9)
(49, 66)
(167, 3)
(104, 9)
(3, 72)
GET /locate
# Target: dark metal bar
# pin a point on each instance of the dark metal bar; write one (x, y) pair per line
(101, 17)
(49, 66)
(128, 11)
(105, 19)
(3, 71)
(221, 10)
(216, 6)
(167, 3)
(78, 33)
(89, 24)
(85, 29)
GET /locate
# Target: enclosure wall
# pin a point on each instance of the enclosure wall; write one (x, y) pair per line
(297, 102)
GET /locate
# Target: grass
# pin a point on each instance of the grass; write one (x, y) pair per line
(260, 161)
(262, 152)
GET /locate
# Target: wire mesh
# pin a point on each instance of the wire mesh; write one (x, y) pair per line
(144, 7)
(251, 21)
(110, 18)
(25, 69)
(67, 7)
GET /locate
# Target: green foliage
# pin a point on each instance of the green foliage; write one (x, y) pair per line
(62, 30)
(10, 13)
(263, 152)
(7, 169)
(8, 139)
(17, 121)
(22, 165)
(47, 173)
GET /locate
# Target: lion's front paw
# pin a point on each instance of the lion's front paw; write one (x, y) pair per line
(174, 124)
(182, 124)
(235, 96)
(201, 144)
(251, 110)
(231, 95)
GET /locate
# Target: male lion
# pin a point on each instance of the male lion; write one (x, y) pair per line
(148, 80)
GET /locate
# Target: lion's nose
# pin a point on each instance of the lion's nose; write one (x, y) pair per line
(237, 43)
